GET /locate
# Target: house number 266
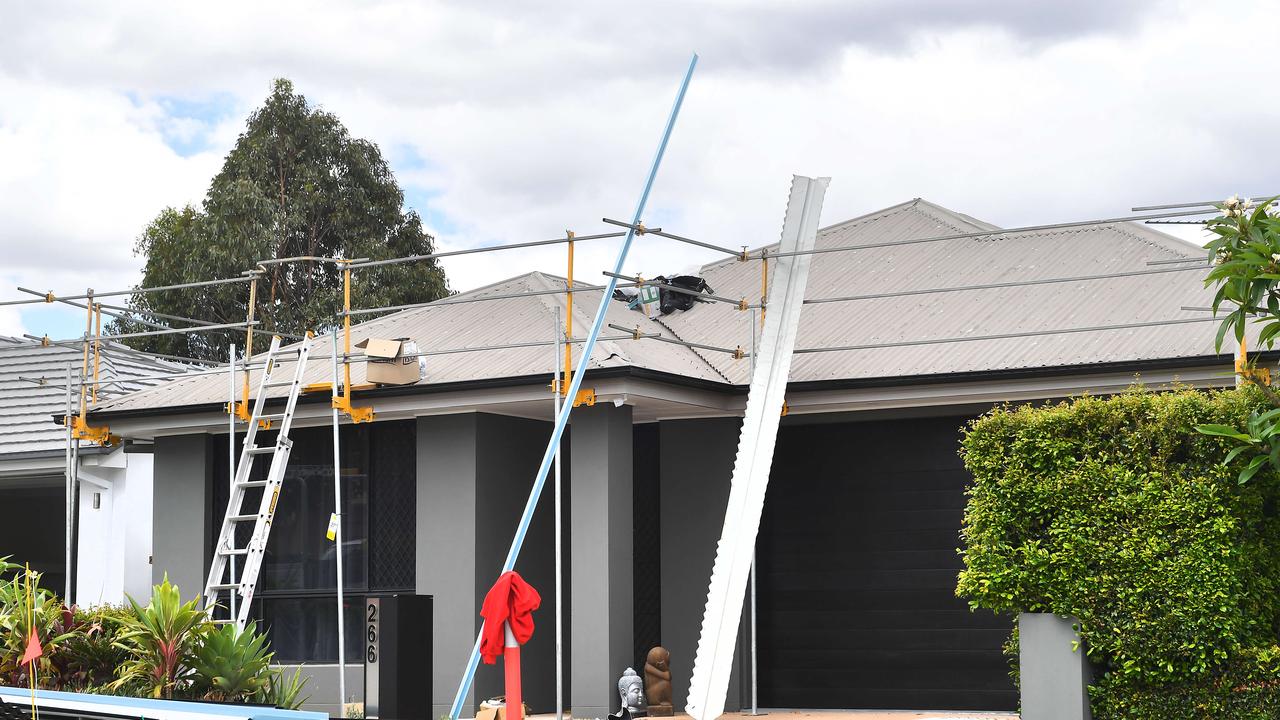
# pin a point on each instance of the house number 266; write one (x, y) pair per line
(371, 632)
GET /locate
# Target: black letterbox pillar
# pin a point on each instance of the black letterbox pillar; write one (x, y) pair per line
(397, 657)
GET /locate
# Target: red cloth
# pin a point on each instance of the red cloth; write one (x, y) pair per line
(512, 600)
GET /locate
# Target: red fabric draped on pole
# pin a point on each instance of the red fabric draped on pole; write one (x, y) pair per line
(510, 600)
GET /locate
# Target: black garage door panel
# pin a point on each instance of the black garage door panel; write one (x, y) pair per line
(858, 563)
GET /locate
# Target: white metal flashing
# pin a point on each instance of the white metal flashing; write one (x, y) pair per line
(714, 659)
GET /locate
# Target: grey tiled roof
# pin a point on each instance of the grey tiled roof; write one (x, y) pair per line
(27, 408)
(1091, 250)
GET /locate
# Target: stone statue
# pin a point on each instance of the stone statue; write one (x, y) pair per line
(657, 682)
(631, 692)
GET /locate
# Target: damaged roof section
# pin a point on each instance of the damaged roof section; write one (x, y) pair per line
(1011, 257)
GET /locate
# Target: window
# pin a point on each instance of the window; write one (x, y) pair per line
(296, 597)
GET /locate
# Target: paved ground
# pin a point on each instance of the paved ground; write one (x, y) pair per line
(851, 715)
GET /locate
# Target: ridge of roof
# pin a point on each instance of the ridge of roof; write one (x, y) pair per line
(925, 207)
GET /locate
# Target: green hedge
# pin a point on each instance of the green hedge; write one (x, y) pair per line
(1115, 511)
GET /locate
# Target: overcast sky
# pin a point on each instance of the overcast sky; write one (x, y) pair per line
(507, 122)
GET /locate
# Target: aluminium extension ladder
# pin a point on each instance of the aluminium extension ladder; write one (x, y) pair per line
(222, 569)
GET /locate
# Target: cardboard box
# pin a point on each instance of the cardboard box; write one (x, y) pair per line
(391, 362)
(496, 709)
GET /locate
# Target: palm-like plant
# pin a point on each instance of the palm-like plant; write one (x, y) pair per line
(230, 664)
(24, 606)
(161, 639)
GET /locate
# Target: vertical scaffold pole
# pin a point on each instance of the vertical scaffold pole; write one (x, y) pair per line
(555, 394)
(66, 419)
(606, 297)
(337, 533)
(231, 455)
(755, 707)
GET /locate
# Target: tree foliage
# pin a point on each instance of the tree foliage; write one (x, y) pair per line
(295, 184)
(1246, 273)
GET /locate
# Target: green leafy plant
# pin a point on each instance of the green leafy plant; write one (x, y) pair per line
(284, 691)
(1246, 273)
(25, 606)
(161, 639)
(1259, 436)
(1112, 511)
(91, 655)
(230, 664)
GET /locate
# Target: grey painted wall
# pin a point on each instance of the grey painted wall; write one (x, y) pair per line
(474, 475)
(602, 639)
(446, 548)
(322, 689)
(180, 510)
(696, 466)
(1054, 677)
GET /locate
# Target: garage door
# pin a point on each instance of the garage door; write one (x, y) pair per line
(858, 563)
(33, 530)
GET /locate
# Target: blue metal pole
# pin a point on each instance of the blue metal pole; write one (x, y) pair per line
(563, 418)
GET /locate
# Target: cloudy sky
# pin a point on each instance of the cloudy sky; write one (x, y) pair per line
(512, 121)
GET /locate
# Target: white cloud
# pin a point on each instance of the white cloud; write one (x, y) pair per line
(536, 117)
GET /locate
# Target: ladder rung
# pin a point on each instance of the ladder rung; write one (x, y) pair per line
(285, 383)
(222, 622)
(234, 551)
(253, 483)
(272, 416)
(241, 518)
(225, 586)
(263, 450)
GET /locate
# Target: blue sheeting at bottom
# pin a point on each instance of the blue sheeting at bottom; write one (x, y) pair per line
(82, 704)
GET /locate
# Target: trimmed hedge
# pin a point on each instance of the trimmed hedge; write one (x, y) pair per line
(1115, 511)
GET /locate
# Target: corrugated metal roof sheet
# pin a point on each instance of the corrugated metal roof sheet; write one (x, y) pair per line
(1089, 250)
(26, 408)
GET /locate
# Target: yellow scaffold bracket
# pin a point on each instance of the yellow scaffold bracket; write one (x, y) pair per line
(635, 334)
(1259, 375)
(585, 397)
(49, 297)
(81, 430)
(45, 341)
(745, 257)
(738, 354)
(743, 305)
(640, 228)
(357, 414)
(785, 409)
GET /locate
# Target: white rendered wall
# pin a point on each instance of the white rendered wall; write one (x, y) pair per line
(114, 543)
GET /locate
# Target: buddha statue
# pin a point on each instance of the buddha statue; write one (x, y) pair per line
(631, 692)
(657, 682)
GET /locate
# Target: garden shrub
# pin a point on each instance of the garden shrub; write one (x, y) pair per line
(1114, 511)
